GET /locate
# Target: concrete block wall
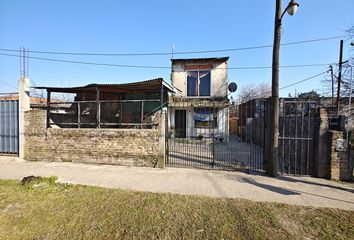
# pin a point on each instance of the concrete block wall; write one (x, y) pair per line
(128, 147)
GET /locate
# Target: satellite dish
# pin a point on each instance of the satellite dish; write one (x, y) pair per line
(232, 87)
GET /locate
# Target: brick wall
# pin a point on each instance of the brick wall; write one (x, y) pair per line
(129, 147)
(339, 164)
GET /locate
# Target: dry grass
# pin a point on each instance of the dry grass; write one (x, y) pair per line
(55, 211)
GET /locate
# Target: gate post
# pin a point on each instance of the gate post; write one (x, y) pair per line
(162, 139)
(321, 145)
(268, 149)
(24, 106)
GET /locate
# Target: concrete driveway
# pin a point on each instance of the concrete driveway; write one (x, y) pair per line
(304, 191)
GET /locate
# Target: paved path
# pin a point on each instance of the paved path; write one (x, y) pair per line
(287, 189)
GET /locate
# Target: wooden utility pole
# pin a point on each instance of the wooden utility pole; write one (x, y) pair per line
(339, 75)
(272, 161)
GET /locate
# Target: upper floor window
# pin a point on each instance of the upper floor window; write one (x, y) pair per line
(198, 83)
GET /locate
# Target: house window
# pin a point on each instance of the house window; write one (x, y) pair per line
(198, 83)
(205, 118)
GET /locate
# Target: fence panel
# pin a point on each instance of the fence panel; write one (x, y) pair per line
(105, 114)
(296, 137)
(9, 126)
(216, 135)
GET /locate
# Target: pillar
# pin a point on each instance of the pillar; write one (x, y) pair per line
(24, 106)
(162, 140)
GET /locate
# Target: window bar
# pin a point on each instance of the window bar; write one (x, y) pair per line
(289, 140)
(283, 134)
(302, 136)
(199, 143)
(78, 115)
(161, 96)
(308, 136)
(296, 140)
(6, 128)
(213, 136)
(48, 108)
(98, 108)
(142, 115)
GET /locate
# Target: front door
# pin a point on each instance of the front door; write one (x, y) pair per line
(180, 123)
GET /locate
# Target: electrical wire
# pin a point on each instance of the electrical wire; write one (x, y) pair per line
(161, 67)
(174, 53)
(8, 84)
(304, 80)
(293, 84)
(88, 63)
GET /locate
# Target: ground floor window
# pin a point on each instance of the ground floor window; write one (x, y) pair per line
(205, 117)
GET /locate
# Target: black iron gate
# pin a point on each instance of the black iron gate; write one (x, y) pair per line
(216, 135)
(296, 137)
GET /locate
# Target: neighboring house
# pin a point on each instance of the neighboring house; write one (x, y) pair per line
(34, 100)
(200, 109)
(126, 105)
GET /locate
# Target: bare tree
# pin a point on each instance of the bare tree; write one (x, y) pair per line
(249, 92)
(264, 89)
(328, 86)
(37, 93)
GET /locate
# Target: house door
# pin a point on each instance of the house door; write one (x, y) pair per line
(180, 123)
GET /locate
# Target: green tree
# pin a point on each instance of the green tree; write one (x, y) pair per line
(311, 95)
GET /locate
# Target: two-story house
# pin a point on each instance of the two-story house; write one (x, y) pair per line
(200, 109)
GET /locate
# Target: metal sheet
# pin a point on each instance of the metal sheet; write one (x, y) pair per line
(9, 126)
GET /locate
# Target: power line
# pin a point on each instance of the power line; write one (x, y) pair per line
(293, 84)
(90, 63)
(8, 84)
(162, 67)
(304, 80)
(175, 53)
(284, 66)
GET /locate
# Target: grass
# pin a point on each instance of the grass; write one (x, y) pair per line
(45, 210)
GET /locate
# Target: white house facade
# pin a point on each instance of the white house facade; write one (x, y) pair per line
(200, 109)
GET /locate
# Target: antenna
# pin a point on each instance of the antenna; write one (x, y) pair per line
(24, 62)
(173, 49)
(27, 62)
(20, 63)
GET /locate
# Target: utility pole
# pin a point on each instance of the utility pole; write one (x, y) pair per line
(339, 74)
(272, 151)
(274, 106)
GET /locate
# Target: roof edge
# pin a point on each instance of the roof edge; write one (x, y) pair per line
(219, 59)
(163, 82)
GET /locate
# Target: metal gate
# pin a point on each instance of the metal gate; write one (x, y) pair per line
(9, 126)
(216, 135)
(296, 133)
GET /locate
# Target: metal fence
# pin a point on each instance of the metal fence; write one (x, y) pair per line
(104, 114)
(9, 126)
(216, 135)
(296, 137)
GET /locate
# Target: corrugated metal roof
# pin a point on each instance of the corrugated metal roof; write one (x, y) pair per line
(216, 59)
(142, 86)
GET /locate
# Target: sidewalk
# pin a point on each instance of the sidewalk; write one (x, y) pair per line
(303, 191)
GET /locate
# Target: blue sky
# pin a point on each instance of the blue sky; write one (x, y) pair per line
(154, 26)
